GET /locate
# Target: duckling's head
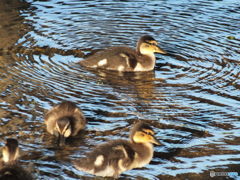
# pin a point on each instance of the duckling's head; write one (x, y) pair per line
(143, 133)
(147, 45)
(63, 129)
(10, 151)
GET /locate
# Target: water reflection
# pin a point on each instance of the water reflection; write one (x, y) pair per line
(192, 96)
(12, 26)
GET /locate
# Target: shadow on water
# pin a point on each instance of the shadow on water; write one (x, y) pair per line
(191, 98)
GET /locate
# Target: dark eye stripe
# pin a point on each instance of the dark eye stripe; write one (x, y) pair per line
(148, 132)
(153, 43)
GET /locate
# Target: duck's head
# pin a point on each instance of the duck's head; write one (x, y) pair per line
(143, 133)
(63, 129)
(10, 151)
(147, 45)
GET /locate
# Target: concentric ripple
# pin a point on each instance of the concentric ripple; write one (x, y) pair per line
(192, 97)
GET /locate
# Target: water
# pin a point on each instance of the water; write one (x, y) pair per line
(192, 97)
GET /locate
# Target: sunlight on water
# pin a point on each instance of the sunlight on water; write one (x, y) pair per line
(191, 98)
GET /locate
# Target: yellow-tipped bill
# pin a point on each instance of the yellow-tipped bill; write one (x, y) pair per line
(159, 50)
(155, 141)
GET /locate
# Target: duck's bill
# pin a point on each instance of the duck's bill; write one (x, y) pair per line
(155, 141)
(159, 50)
(61, 140)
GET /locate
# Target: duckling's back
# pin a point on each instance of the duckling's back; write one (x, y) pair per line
(114, 58)
(108, 160)
(65, 108)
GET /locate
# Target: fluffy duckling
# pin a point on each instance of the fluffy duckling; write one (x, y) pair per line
(9, 168)
(114, 157)
(64, 120)
(125, 59)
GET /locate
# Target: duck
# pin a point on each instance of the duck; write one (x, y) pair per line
(64, 120)
(9, 167)
(112, 158)
(126, 59)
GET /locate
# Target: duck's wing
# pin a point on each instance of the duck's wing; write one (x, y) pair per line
(109, 159)
(78, 121)
(50, 120)
(114, 58)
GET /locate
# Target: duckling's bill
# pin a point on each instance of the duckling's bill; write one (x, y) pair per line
(155, 141)
(61, 140)
(159, 50)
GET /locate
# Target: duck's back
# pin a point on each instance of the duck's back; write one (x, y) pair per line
(114, 58)
(109, 159)
(60, 110)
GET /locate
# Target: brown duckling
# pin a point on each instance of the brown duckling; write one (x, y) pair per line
(9, 167)
(112, 158)
(126, 59)
(64, 120)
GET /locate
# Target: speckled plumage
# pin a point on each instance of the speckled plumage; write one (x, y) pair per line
(112, 158)
(65, 116)
(126, 59)
(112, 153)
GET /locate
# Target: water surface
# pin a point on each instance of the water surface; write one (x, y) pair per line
(192, 97)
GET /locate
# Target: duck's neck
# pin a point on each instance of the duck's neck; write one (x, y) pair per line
(144, 153)
(151, 59)
(148, 58)
(146, 63)
(138, 48)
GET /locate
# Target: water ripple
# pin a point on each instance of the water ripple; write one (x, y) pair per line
(191, 98)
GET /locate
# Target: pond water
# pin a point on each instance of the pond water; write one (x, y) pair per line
(191, 98)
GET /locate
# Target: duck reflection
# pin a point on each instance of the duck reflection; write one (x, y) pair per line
(140, 84)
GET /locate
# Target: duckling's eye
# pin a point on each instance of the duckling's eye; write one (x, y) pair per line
(148, 133)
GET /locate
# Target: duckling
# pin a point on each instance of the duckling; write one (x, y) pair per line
(112, 158)
(125, 59)
(9, 168)
(64, 120)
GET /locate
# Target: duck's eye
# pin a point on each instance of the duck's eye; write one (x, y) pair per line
(148, 133)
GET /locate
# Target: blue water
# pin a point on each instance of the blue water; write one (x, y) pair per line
(192, 97)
